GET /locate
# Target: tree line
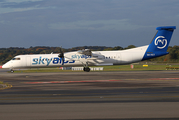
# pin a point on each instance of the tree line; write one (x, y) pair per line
(7, 54)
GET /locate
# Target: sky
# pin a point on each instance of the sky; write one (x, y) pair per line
(72, 23)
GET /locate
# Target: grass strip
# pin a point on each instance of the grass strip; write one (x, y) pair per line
(4, 84)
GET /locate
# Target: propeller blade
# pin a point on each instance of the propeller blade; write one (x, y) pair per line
(61, 55)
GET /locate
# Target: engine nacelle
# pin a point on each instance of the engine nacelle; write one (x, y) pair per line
(85, 52)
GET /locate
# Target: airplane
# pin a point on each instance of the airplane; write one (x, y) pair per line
(157, 47)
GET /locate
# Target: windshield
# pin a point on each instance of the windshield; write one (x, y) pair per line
(16, 59)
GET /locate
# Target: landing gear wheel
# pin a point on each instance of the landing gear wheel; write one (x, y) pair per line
(12, 71)
(86, 69)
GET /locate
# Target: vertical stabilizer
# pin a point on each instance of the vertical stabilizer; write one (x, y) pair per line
(159, 45)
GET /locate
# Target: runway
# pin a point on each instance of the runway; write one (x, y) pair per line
(94, 95)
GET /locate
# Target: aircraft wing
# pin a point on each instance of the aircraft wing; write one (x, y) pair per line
(96, 55)
(85, 52)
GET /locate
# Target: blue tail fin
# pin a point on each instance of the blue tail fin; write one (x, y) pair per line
(159, 45)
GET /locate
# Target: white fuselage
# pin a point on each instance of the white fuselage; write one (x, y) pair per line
(98, 58)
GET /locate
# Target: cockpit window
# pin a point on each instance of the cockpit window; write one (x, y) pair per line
(16, 59)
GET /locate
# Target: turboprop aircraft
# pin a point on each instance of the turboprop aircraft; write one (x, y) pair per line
(158, 47)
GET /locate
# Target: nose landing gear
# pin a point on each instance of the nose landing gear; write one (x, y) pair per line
(11, 70)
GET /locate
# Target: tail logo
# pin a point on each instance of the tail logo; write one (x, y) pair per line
(161, 42)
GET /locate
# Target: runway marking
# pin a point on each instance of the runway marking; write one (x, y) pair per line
(69, 94)
(163, 78)
(84, 81)
(93, 81)
(86, 97)
(159, 79)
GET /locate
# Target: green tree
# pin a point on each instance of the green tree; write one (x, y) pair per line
(130, 46)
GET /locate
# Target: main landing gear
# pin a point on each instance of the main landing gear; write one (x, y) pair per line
(86, 68)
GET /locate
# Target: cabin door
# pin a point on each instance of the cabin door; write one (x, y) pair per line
(28, 62)
(118, 58)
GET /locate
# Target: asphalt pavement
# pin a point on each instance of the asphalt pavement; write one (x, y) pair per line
(94, 95)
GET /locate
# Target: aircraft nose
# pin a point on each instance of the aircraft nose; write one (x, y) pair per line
(4, 66)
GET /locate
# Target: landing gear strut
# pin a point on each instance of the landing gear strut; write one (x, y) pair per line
(86, 68)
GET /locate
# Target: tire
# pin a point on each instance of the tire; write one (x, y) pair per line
(86, 69)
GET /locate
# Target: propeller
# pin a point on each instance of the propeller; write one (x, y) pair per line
(61, 55)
